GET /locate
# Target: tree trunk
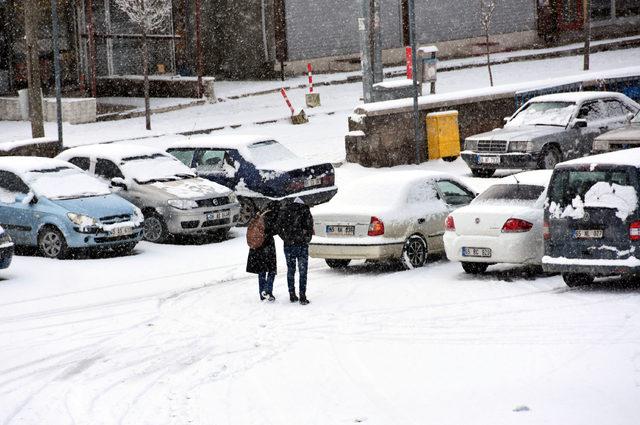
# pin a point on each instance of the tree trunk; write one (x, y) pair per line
(33, 68)
(145, 66)
(488, 58)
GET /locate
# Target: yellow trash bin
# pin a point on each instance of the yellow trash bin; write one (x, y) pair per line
(443, 135)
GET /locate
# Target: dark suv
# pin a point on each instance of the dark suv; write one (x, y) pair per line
(592, 219)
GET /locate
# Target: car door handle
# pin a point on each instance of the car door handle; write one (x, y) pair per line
(422, 220)
(605, 128)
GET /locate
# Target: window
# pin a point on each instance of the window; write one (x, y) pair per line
(543, 113)
(9, 182)
(422, 192)
(184, 155)
(453, 193)
(567, 184)
(107, 169)
(211, 161)
(81, 162)
(613, 108)
(591, 111)
(627, 8)
(511, 192)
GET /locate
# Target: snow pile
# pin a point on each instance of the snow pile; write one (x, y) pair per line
(146, 168)
(542, 116)
(621, 198)
(192, 188)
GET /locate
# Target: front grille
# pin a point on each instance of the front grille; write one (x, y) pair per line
(189, 224)
(212, 223)
(116, 239)
(492, 146)
(212, 202)
(112, 219)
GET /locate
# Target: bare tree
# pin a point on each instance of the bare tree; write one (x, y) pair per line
(148, 15)
(487, 7)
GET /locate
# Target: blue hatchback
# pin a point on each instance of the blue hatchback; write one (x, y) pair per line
(55, 206)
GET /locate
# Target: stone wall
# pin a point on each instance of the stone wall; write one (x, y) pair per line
(159, 86)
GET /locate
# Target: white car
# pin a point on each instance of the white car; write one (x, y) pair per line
(390, 216)
(502, 225)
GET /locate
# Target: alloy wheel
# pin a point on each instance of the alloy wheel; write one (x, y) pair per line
(415, 252)
(153, 229)
(51, 244)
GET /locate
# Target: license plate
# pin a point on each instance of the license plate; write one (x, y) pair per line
(312, 182)
(588, 234)
(121, 231)
(476, 252)
(341, 230)
(488, 159)
(218, 215)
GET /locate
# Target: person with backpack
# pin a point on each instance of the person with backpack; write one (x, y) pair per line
(296, 230)
(262, 249)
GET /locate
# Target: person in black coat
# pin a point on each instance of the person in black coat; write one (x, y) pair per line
(262, 261)
(296, 231)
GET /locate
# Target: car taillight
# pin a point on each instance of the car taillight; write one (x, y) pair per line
(376, 227)
(546, 233)
(328, 180)
(449, 224)
(515, 225)
(295, 186)
(634, 231)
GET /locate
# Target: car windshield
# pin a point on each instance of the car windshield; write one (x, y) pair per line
(267, 152)
(510, 193)
(155, 168)
(64, 183)
(569, 184)
(544, 113)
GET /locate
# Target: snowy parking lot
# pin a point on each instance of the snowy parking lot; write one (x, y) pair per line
(175, 333)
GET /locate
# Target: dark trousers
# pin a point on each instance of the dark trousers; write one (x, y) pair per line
(265, 282)
(299, 254)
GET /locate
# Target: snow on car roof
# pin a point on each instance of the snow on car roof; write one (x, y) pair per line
(535, 177)
(113, 151)
(23, 164)
(234, 141)
(579, 96)
(630, 157)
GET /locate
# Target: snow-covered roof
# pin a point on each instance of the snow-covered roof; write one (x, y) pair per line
(113, 151)
(578, 96)
(630, 157)
(535, 177)
(23, 164)
(227, 141)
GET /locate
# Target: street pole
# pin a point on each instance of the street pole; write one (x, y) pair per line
(33, 68)
(56, 64)
(376, 41)
(416, 113)
(92, 49)
(366, 46)
(199, 65)
(587, 33)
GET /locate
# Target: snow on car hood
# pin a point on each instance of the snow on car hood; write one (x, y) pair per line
(623, 199)
(195, 188)
(629, 133)
(96, 206)
(524, 133)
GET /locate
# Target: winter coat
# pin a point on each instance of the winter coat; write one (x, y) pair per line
(295, 224)
(263, 259)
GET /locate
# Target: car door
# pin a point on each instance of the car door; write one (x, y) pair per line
(593, 113)
(216, 165)
(427, 212)
(615, 113)
(18, 218)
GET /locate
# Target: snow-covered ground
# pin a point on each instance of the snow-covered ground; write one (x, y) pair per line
(175, 333)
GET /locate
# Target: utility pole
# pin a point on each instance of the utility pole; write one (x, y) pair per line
(33, 67)
(587, 33)
(375, 37)
(56, 64)
(416, 113)
(369, 28)
(92, 49)
(199, 66)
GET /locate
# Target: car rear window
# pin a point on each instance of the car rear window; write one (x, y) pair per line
(511, 192)
(567, 184)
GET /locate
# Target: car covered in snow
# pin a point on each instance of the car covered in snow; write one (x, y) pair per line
(502, 225)
(172, 198)
(6, 249)
(55, 206)
(592, 219)
(258, 169)
(547, 130)
(388, 216)
(626, 137)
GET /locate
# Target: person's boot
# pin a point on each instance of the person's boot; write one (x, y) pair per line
(303, 299)
(263, 296)
(270, 297)
(293, 297)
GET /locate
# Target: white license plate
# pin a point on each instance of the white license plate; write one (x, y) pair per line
(341, 230)
(218, 215)
(476, 252)
(588, 234)
(313, 182)
(121, 231)
(488, 159)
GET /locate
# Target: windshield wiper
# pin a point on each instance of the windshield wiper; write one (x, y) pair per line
(550, 125)
(185, 175)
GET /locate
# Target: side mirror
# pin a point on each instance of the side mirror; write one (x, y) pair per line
(119, 182)
(33, 198)
(580, 123)
(630, 116)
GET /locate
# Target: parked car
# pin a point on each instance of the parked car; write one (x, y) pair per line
(592, 219)
(171, 197)
(55, 206)
(6, 249)
(622, 138)
(502, 225)
(390, 216)
(547, 130)
(258, 169)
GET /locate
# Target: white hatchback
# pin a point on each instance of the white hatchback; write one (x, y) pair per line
(502, 225)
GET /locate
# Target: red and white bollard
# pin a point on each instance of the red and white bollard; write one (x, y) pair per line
(312, 99)
(300, 118)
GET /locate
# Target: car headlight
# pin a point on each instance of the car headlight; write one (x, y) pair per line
(471, 145)
(82, 221)
(519, 146)
(183, 204)
(600, 145)
(233, 198)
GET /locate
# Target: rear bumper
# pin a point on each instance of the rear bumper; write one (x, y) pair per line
(6, 255)
(356, 252)
(517, 248)
(507, 160)
(593, 267)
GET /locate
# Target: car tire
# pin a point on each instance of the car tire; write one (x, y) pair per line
(414, 253)
(52, 244)
(125, 248)
(220, 234)
(247, 211)
(155, 230)
(482, 172)
(474, 268)
(337, 264)
(577, 279)
(549, 158)
(449, 158)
